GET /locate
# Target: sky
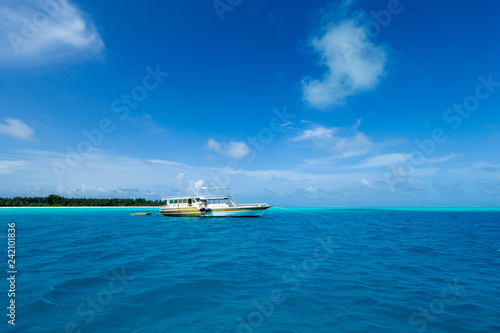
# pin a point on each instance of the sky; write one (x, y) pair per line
(305, 103)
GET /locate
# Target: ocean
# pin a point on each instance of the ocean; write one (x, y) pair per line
(291, 270)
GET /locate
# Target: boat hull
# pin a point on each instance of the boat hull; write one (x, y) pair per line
(239, 212)
(215, 212)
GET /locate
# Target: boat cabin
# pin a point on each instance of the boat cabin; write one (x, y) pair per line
(199, 201)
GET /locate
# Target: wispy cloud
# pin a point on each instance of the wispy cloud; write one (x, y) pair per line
(320, 133)
(491, 188)
(165, 162)
(236, 150)
(10, 166)
(453, 190)
(353, 62)
(403, 182)
(104, 174)
(107, 174)
(342, 141)
(442, 159)
(16, 128)
(382, 161)
(485, 167)
(38, 32)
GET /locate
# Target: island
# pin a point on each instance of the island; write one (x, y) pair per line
(55, 200)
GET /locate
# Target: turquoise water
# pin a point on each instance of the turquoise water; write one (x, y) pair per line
(291, 270)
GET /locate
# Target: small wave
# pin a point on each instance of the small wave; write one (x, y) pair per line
(46, 301)
(73, 291)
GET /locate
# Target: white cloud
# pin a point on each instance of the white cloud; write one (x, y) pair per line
(214, 146)
(165, 162)
(180, 180)
(400, 180)
(442, 159)
(382, 160)
(266, 175)
(343, 141)
(353, 64)
(10, 166)
(452, 190)
(426, 172)
(358, 144)
(366, 183)
(392, 142)
(312, 189)
(103, 174)
(17, 129)
(195, 186)
(236, 150)
(319, 132)
(487, 167)
(43, 31)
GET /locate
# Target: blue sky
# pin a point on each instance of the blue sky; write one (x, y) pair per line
(342, 103)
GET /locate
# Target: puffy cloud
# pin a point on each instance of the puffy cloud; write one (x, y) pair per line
(213, 145)
(365, 183)
(236, 150)
(195, 186)
(17, 129)
(353, 64)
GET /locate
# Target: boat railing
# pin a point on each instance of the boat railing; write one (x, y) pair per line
(207, 197)
(252, 205)
(202, 197)
(176, 197)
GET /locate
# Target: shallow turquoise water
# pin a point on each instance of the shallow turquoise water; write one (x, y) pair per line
(291, 270)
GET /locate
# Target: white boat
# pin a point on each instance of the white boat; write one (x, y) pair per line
(218, 205)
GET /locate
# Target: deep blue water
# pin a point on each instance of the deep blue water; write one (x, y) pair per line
(293, 270)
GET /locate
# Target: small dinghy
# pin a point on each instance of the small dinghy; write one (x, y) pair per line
(145, 213)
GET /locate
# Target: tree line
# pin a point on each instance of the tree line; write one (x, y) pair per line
(55, 200)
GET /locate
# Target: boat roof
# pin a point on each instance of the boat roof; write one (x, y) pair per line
(202, 197)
